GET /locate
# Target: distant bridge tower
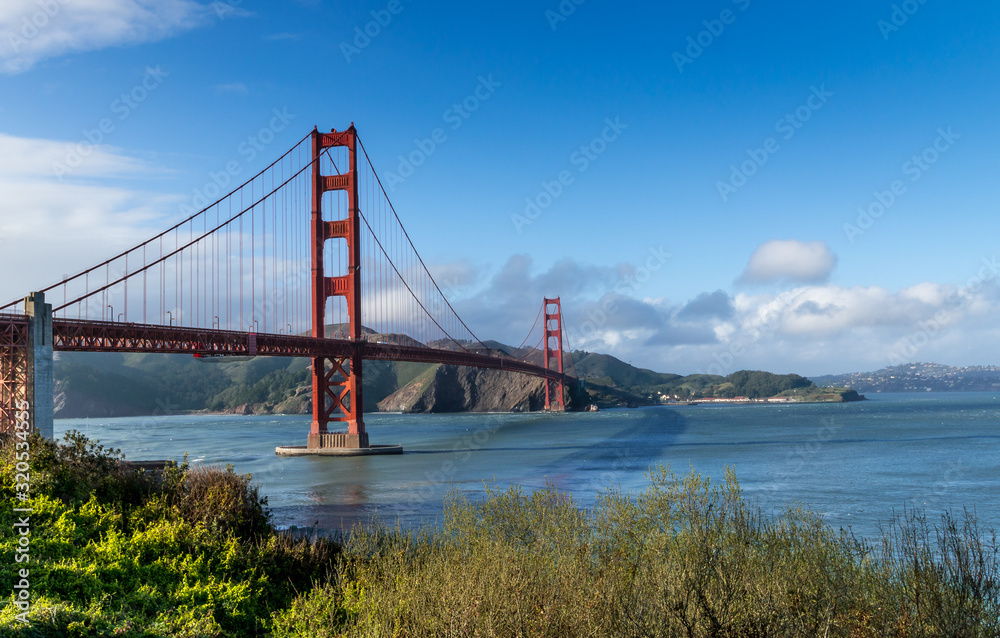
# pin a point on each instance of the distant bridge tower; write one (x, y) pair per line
(337, 390)
(552, 309)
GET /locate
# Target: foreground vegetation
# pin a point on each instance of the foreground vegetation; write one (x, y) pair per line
(191, 553)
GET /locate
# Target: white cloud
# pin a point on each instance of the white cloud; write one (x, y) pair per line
(829, 329)
(828, 310)
(810, 329)
(455, 277)
(50, 228)
(951, 336)
(790, 260)
(236, 88)
(26, 157)
(277, 37)
(34, 30)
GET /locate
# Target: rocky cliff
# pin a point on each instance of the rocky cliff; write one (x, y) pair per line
(446, 388)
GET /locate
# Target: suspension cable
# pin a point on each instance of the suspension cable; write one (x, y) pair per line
(172, 228)
(417, 253)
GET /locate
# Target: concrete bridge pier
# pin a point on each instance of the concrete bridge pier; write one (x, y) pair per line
(40, 386)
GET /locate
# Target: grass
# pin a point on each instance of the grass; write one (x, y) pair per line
(192, 553)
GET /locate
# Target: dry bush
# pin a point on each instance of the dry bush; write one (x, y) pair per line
(219, 498)
(685, 557)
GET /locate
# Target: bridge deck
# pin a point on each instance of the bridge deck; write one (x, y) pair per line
(70, 335)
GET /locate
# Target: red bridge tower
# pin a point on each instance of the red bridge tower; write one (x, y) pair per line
(337, 387)
(552, 310)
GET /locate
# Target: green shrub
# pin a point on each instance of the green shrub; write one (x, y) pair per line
(319, 613)
(118, 552)
(221, 499)
(75, 470)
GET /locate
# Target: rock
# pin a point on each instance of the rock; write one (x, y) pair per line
(449, 388)
(72, 404)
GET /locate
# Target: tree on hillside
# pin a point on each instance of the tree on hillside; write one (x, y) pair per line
(757, 384)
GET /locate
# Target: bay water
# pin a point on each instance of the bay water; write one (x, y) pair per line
(855, 464)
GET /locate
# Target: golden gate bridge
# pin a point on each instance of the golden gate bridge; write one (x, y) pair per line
(307, 258)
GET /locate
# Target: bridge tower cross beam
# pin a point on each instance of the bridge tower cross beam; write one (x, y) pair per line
(552, 311)
(337, 382)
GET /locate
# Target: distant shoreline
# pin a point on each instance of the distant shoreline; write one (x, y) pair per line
(758, 402)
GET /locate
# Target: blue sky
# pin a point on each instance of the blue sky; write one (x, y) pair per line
(714, 227)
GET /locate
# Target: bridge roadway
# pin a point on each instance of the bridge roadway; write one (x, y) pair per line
(71, 335)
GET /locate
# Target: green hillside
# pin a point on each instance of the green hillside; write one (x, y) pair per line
(756, 384)
(612, 382)
(113, 384)
(105, 385)
(615, 373)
